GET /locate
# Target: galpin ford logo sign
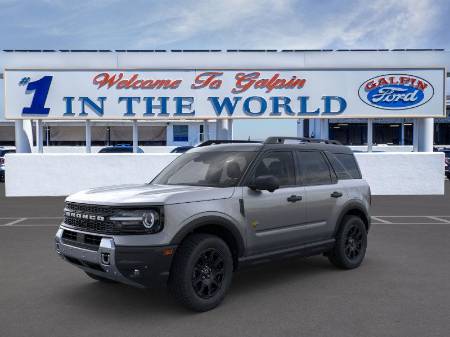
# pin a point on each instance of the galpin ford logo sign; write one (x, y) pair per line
(396, 91)
(214, 94)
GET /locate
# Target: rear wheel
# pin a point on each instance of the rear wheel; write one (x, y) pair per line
(99, 278)
(201, 272)
(351, 244)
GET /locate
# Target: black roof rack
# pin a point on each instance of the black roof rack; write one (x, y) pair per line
(225, 141)
(280, 140)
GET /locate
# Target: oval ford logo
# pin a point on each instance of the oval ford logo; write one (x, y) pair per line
(396, 91)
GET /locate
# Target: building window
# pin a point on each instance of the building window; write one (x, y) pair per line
(180, 133)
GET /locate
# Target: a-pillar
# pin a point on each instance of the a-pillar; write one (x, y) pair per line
(24, 136)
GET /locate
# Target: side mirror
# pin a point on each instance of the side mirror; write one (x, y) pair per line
(269, 183)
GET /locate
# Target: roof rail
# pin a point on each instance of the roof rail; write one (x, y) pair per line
(280, 140)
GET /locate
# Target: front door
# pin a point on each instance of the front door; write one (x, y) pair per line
(274, 218)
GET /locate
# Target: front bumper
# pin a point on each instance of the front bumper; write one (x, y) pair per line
(133, 265)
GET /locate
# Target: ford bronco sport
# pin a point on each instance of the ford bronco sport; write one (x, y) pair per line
(219, 208)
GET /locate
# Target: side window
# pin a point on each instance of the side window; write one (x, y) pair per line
(279, 164)
(313, 168)
(344, 165)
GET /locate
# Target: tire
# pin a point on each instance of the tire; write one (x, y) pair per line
(201, 272)
(351, 244)
(99, 278)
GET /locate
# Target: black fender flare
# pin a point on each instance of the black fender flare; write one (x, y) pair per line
(353, 205)
(211, 220)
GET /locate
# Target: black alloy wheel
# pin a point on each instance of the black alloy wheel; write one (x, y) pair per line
(208, 273)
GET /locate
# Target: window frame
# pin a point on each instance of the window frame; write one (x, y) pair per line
(333, 176)
(259, 158)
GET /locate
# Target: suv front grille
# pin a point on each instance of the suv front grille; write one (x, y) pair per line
(89, 218)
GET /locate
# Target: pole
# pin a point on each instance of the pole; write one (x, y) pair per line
(300, 123)
(205, 130)
(135, 136)
(24, 136)
(369, 135)
(88, 136)
(39, 138)
(229, 129)
(416, 135)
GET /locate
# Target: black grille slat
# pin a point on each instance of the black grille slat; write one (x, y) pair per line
(86, 241)
(88, 225)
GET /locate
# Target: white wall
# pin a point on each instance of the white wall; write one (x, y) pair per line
(62, 174)
(397, 173)
(95, 149)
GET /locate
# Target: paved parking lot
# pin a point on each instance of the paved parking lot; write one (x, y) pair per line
(402, 289)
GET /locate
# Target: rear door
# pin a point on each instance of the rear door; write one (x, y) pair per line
(323, 194)
(274, 219)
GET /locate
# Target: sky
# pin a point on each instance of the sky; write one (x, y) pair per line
(231, 24)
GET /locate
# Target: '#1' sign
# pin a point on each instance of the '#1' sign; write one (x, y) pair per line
(120, 94)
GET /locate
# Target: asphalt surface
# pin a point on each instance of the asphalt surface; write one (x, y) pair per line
(402, 288)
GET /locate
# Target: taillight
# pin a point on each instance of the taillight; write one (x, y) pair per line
(2, 160)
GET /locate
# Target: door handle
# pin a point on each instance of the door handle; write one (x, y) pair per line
(294, 198)
(336, 194)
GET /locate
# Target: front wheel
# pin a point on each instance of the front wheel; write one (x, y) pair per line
(351, 244)
(201, 272)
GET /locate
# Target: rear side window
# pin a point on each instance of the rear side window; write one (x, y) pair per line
(344, 165)
(313, 168)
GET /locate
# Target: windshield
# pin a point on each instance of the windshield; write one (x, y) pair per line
(212, 168)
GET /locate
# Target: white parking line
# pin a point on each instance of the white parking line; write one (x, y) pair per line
(439, 219)
(11, 223)
(381, 220)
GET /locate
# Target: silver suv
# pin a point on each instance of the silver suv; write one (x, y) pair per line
(219, 208)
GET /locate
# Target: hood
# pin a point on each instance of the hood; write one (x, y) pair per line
(126, 195)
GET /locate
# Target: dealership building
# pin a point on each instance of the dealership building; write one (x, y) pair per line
(61, 106)
(64, 134)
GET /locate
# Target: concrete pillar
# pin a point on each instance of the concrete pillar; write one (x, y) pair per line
(24, 136)
(416, 135)
(324, 129)
(300, 123)
(230, 129)
(369, 135)
(135, 136)
(402, 133)
(88, 136)
(222, 129)
(39, 137)
(426, 133)
(205, 130)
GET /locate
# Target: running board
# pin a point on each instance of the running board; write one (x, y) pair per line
(309, 249)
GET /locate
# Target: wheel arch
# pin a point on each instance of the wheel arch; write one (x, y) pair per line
(357, 209)
(215, 225)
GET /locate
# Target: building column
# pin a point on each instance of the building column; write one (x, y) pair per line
(229, 129)
(24, 136)
(324, 129)
(426, 133)
(205, 130)
(221, 129)
(402, 133)
(416, 135)
(369, 135)
(39, 137)
(300, 124)
(135, 136)
(88, 136)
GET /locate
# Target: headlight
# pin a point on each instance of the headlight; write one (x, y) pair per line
(137, 221)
